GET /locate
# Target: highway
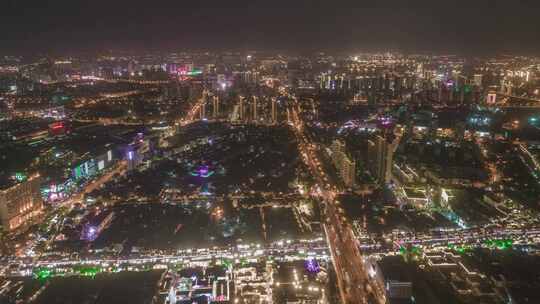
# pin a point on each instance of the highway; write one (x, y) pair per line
(285, 250)
(472, 236)
(191, 115)
(353, 281)
(120, 168)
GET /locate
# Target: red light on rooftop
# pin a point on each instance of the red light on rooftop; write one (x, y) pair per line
(57, 125)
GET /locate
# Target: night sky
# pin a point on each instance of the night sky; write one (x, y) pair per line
(473, 26)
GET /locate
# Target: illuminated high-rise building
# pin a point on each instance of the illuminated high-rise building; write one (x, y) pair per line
(348, 171)
(274, 110)
(20, 202)
(215, 101)
(344, 164)
(380, 158)
(255, 116)
(203, 111)
(241, 108)
(478, 80)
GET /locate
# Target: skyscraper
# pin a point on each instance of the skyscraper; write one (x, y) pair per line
(478, 80)
(20, 203)
(255, 116)
(274, 110)
(215, 101)
(345, 166)
(348, 171)
(380, 158)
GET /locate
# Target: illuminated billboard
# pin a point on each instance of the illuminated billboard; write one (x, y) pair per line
(101, 165)
(85, 169)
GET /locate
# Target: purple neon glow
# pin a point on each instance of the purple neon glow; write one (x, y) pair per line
(312, 265)
(130, 155)
(90, 233)
(385, 121)
(203, 171)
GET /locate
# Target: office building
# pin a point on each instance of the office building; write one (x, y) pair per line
(478, 80)
(20, 202)
(394, 275)
(345, 166)
(348, 171)
(380, 158)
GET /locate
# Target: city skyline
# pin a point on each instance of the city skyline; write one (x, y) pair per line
(270, 152)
